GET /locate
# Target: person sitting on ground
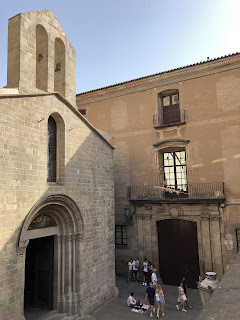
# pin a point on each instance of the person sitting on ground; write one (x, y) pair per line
(150, 294)
(131, 302)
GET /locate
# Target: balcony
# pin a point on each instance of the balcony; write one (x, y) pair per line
(195, 192)
(171, 118)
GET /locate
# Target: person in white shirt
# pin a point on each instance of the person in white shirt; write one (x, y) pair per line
(131, 302)
(135, 269)
(154, 277)
(145, 272)
(130, 270)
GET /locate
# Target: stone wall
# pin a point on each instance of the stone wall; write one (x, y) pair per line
(224, 303)
(208, 92)
(87, 180)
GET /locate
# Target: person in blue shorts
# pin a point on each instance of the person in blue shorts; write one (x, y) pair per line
(160, 300)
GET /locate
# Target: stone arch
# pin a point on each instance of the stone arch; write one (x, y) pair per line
(59, 65)
(62, 208)
(67, 239)
(41, 58)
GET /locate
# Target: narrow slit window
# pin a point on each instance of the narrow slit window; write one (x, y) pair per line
(238, 238)
(52, 150)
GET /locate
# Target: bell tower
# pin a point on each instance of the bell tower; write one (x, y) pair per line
(40, 56)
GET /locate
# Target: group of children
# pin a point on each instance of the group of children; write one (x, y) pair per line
(154, 291)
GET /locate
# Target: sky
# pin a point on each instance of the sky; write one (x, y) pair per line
(120, 40)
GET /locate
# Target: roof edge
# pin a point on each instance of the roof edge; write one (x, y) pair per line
(65, 101)
(159, 73)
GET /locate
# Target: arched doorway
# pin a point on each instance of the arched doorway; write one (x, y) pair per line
(50, 245)
(39, 276)
(178, 251)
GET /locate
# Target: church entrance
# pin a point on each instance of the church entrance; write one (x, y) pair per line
(178, 251)
(38, 292)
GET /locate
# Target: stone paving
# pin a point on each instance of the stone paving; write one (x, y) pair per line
(117, 309)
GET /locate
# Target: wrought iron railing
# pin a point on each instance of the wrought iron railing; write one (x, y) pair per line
(173, 117)
(201, 190)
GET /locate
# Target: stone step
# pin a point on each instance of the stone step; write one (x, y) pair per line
(48, 315)
(58, 316)
(53, 315)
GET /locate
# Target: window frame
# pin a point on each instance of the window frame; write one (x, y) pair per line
(176, 186)
(122, 228)
(170, 95)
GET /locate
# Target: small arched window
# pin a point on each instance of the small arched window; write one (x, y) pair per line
(59, 72)
(41, 58)
(52, 150)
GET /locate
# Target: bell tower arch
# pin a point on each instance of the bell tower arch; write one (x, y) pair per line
(40, 55)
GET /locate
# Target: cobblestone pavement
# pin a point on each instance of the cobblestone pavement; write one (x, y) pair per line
(117, 309)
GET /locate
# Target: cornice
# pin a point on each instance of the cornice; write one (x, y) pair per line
(186, 141)
(162, 79)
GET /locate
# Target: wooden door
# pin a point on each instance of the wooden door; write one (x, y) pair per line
(171, 110)
(43, 286)
(178, 252)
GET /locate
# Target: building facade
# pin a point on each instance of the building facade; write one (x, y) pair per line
(56, 180)
(176, 165)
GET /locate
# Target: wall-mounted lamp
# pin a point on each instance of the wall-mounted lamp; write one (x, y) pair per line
(222, 205)
(128, 217)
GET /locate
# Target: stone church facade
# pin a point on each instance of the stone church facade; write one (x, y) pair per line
(56, 180)
(177, 160)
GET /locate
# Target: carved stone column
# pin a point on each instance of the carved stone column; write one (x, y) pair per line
(74, 295)
(206, 243)
(77, 294)
(211, 241)
(144, 236)
(217, 246)
(62, 282)
(59, 275)
(68, 273)
(22, 254)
